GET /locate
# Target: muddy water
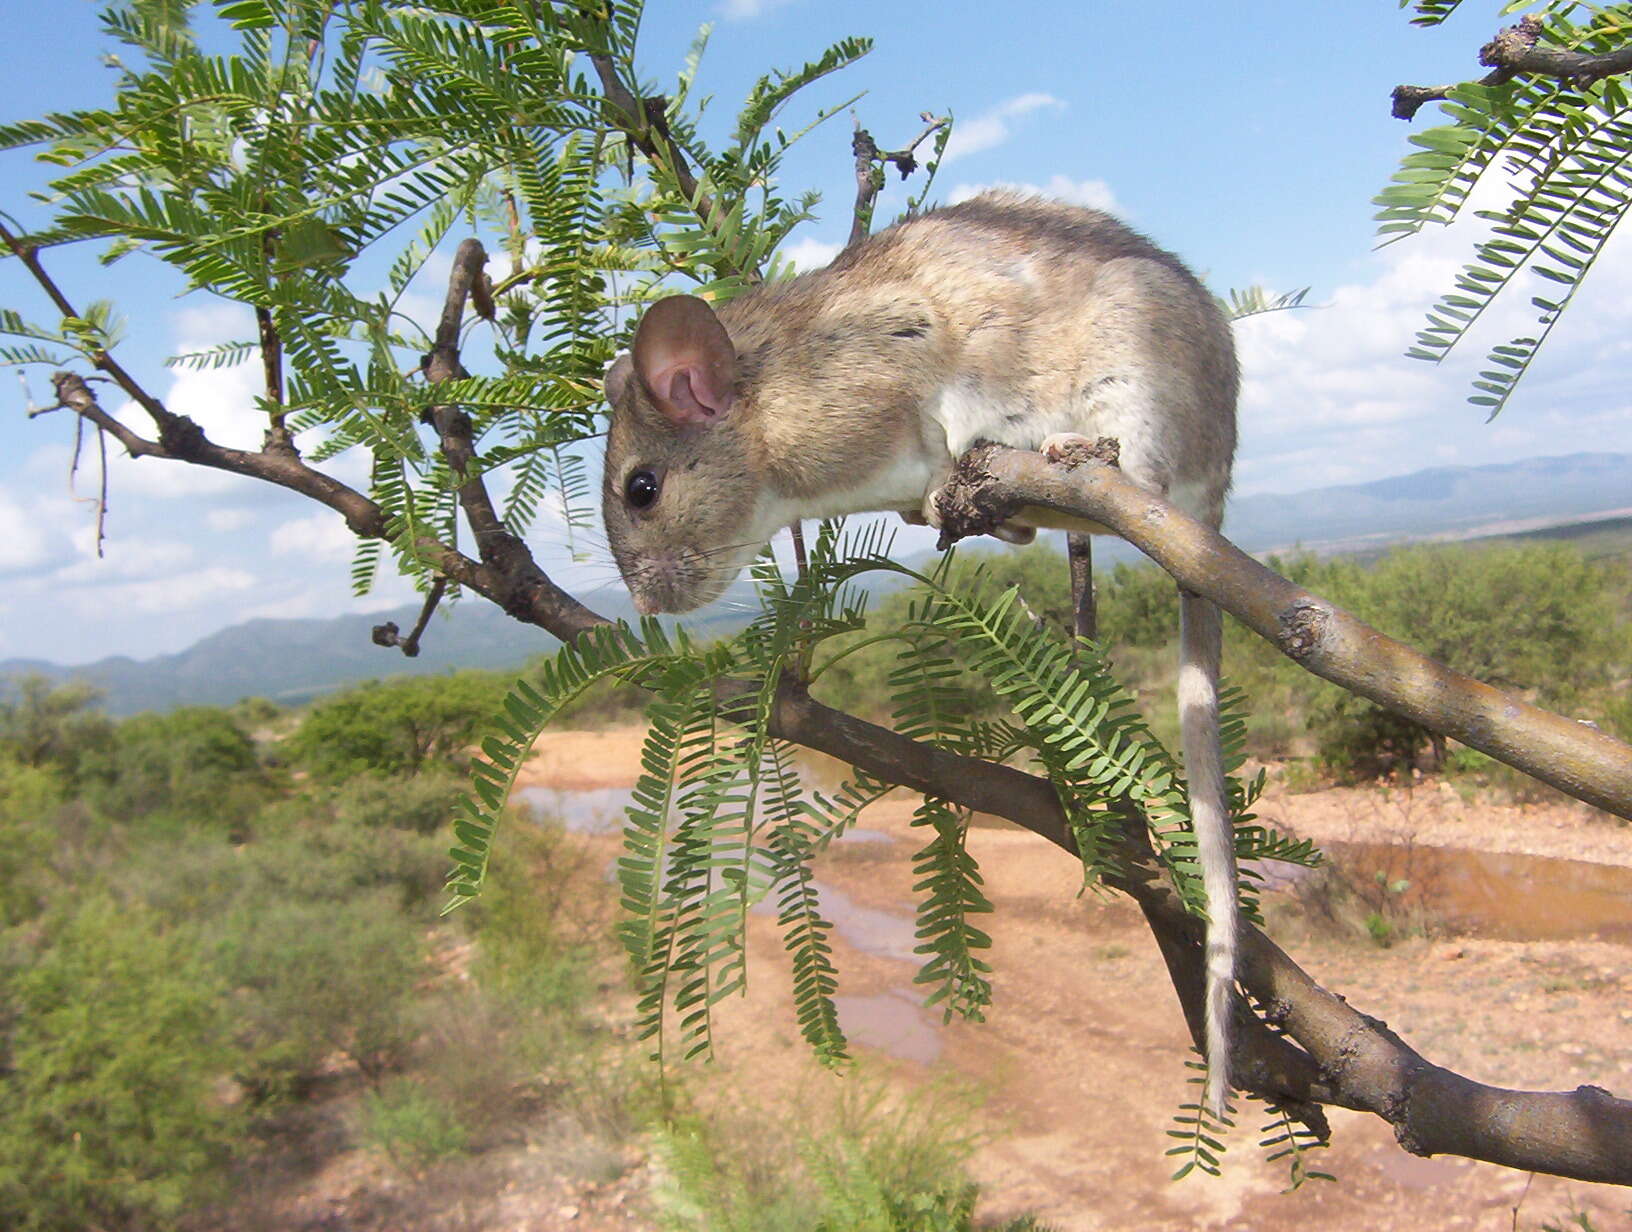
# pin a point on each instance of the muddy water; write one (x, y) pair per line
(893, 1022)
(1484, 893)
(1502, 895)
(1490, 894)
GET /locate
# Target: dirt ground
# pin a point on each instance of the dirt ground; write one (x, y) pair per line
(1080, 1061)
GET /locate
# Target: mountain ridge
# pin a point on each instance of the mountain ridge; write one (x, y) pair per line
(292, 660)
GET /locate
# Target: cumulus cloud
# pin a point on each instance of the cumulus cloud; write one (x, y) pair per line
(994, 126)
(226, 521)
(24, 542)
(1329, 397)
(322, 536)
(809, 253)
(1096, 194)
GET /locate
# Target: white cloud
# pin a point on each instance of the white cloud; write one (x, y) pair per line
(741, 10)
(131, 558)
(1095, 194)
(322, 536)
(809, 254)
(172, 594)
(994, 126)
(23, 542)
(225, 521)
(1329, 397)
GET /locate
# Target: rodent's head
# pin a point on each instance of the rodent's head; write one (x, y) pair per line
(681, 496)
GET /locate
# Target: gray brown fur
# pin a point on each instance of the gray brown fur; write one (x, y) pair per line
(1006, 318)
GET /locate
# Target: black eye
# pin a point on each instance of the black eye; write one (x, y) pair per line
(641, 490)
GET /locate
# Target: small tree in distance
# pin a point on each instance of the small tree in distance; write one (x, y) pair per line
(346, 139)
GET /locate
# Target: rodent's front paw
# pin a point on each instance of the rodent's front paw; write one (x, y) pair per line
(1073, 449)
(1062, 446)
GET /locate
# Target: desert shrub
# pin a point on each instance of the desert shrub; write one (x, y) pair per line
(1138, 605)
(340, 837)
(318, 978)
(45, 724)
(860, 1163)
(191, 766)
(1538, 619)
(528, 950)
(410, 1124)
(421, 803)
(397, 726)
(109, 1107)
(29, 799)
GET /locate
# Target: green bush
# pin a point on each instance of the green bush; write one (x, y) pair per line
(411, 1125)
(1536, 619)
(860, 1164)
(421, 804)
(321, 977)
(397, 726)
(191, 766)
(110, 1109)
(44, 724)
(30, 798)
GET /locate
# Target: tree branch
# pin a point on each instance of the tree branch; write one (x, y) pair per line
(995, 482)
(1514, 51)
(869, 181)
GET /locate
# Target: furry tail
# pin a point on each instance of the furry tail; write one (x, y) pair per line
(1200, 639)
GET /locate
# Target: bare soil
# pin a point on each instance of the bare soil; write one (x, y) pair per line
(1081, 1057)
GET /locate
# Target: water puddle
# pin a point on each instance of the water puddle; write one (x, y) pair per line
(892, 1022)
(1501, 894)
(590, 810)
(599, 810)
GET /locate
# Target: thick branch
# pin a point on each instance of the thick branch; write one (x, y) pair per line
(1321, 638)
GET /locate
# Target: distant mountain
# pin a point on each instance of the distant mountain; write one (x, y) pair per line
(1446, 502)
(292, 661)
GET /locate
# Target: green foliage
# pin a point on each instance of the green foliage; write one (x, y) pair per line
(396, 726)
(1563, 148)
(109, 1113)
(42, 724)
(329, 146)
(1285, 1137)
(418, 805)
(322, 977)
(721, 821)
(410, 1125)
(28, 799)
(1537, 619)
(1200, 1132)
(861, 1164)
(192, 765)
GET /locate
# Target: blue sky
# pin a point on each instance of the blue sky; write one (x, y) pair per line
(1248, 138)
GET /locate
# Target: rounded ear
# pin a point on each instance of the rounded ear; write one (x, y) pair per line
(685, 359)
(617, 377)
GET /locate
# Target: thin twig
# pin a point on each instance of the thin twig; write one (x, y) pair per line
(386, 634)
(870, 162)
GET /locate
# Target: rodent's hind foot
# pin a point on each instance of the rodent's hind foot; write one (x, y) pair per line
(1014, 532)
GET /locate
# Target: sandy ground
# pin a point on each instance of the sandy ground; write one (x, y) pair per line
(1080, 1062)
